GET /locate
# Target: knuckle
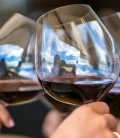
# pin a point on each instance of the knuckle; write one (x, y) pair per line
(102, 121)
(105, 106)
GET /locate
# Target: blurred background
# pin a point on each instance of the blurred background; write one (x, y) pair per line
(29, 117)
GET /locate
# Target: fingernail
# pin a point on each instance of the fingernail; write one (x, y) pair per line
(11, 123)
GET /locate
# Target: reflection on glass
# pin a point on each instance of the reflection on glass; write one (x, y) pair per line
(18, 81)
(68, 55)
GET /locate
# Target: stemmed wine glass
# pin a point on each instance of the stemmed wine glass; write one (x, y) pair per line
(76, 61)
(18, 80)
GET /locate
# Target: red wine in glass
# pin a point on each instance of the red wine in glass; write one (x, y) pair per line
(77, 90)
(14, 92)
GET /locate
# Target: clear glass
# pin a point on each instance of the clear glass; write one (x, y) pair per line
(18, 79)
(76, 61)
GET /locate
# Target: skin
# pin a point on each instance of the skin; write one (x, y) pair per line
(85, 121)
(5, 118)
(100, 123)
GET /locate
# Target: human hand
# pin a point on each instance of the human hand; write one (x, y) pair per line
(5, 118)
(88, 121)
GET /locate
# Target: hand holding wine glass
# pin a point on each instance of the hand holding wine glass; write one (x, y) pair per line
(88, 121)
(76, 61)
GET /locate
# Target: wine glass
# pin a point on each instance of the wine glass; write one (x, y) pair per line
(18, 80)
(76, 61)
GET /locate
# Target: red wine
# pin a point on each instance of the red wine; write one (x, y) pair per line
(61, 107)
(77, 90)
(19, 91)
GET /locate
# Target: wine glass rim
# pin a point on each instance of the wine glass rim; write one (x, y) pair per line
(84, 5)
(111, 15)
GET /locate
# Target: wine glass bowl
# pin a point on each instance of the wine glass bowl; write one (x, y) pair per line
(18, 80)
(76, 58)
